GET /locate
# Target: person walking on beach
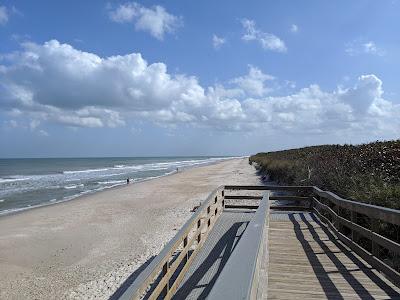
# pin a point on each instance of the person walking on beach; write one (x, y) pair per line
(127, 181)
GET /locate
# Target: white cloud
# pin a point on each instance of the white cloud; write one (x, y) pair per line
(371, 48)
(267, 40)
(56, 83)
(43, 132)
(218, 41)
(3, 15)
(155, 20)
(253, 83)
(358, 47)
(33, 124)
(294, 28)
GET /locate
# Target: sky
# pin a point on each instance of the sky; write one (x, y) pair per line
(182, 78)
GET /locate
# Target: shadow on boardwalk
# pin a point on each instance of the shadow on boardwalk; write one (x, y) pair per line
(351, 276)
(200, 282)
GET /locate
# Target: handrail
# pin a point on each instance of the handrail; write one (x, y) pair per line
(331, 216)
(373, 211)
(385, 214)
(248, 257)
(161, 262)
(270, 187)
(164, 274)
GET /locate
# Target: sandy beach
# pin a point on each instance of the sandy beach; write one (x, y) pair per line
(86, 248)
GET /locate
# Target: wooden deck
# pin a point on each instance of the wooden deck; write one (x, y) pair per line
(306, 261)
(277, 248)
(208, 264)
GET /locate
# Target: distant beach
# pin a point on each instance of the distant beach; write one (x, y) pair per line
(28, 183)
(86, 248)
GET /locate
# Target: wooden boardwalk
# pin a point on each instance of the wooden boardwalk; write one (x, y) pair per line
(282, 246)
(208, 264)
(307, 261)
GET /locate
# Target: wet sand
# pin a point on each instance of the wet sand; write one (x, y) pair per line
(87, 247)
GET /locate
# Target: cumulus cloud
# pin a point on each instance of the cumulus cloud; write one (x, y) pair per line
(3, 15)
(56, 83)
(155, 20)
(268, 41)
(217, 41)
(253, 83)
(358, 47)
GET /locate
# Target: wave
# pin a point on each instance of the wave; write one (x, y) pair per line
(7, 180)
(105, 178)
(73, 186)
(151, 166)
(86, 171)
(111, 182)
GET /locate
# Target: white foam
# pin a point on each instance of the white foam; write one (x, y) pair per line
(86, 171)
(73, 186)
(72, 179)
(6, 180)
(111, 182)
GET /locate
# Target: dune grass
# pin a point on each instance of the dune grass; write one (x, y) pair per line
(368, 173)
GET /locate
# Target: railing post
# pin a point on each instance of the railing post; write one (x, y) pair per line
(375, 228)
(336, 209)
(185, 242)
(198, 226)
(354, 220)
(164, 273)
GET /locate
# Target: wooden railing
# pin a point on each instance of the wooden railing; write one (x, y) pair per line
(163, 275)
(250, 257)
(364, 238)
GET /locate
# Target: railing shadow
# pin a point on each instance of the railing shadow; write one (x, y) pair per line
(326, 283)
(362, 267)
(125, 285)
(222, 250)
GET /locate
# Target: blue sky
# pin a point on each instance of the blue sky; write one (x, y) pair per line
(93, 78)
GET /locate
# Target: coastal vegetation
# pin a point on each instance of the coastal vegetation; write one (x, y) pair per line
(368, 173)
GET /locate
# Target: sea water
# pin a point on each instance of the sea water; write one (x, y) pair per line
(32, 182)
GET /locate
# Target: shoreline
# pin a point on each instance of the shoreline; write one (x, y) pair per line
(78, 196)
(10, 212)
(87, 249)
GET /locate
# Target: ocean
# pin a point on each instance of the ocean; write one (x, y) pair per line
(31, 182)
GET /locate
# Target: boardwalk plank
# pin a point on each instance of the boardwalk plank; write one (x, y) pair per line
(305, 263)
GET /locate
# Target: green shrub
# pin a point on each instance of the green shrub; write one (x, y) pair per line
(369, 172)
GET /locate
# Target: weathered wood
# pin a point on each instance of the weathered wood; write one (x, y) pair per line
(269, 187)
(289, 207)
(305, 263)
(373, 211)
(235, 197)
(288, 259)
(292, 198)
(376, 238)
(392, 274)
(244, 206)
(141, 284)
